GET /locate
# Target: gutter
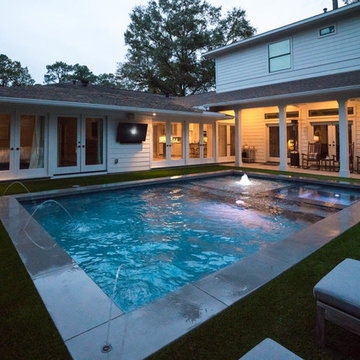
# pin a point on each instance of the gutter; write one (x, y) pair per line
(285, 96)
(204, 114)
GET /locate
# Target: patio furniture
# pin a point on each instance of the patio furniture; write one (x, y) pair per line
(358, 164)
(248, 154)
(327, 164)
(269, 350)
(294, 159)
(337, 299)
(312, 156)
(351, 159)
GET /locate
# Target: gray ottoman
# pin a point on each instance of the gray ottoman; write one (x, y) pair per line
(269, 350)
(338, 298)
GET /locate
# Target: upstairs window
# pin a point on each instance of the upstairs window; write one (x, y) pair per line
(327, 30)
(279, 56)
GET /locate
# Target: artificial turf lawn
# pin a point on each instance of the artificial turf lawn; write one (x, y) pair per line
(283, 309)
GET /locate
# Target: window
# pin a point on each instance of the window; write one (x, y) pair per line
(275, 115)
(279, 56)
(329, 112)
(327, 30)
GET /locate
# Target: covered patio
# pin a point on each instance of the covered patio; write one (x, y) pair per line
(311, 124)
(311, 137)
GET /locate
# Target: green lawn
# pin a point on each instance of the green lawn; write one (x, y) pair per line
(283, 309)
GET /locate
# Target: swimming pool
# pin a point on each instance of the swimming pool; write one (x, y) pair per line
(166, 236)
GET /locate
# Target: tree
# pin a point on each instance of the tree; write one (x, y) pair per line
(107, 80)
(58, 72)
(82, 72)
(348, 2)
(13, 74)
(166, 39)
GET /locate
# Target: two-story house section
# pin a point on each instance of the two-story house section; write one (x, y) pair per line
(321, 45)
(294, 92)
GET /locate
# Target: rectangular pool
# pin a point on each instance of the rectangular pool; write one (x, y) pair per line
(166, 236)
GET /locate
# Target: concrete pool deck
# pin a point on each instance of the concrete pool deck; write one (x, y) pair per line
(80, 309)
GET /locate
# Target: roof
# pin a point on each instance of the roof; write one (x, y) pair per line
(284, 30)
(337, 82)
(94, 94)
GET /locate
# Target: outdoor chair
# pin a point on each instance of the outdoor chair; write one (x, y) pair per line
(269, 350)
(312, 156)
(351, 159)
(337, 299)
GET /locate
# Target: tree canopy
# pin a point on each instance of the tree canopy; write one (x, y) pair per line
(166, 39)
(12, 73)
(61, 72)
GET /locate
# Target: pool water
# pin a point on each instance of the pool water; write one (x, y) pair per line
(166, 236)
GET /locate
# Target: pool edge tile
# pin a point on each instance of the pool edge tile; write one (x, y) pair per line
(164, 320)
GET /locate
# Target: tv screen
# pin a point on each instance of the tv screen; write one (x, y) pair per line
(130, 133)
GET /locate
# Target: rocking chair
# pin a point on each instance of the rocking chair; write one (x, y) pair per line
(312, 156)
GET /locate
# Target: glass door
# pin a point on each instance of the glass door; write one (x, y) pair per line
(68, 145)
(208, 142)
(274, 141)
(93, 145)
(176, 143)
(80, 145)
(328, 137)
(194, 141)
(226, 142)
(201, 143)
(7, 147)
(159, 142)
(31, 157)
(168, 143)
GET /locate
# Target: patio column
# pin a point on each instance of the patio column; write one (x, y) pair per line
(283, 138)
(344, 139)
(238, 133)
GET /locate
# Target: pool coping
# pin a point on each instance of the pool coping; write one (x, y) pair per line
(80, 309)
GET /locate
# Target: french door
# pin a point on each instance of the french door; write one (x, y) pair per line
(168, 143)
(327, 135)
(22, 146)
(226, 142)
(292, 140)
(201, 143)
(80, 144)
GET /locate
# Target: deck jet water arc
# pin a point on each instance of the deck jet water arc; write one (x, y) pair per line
(49, 201)
(107, 346)
(13, 183)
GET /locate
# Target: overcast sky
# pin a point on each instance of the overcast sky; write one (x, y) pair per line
(90, 32)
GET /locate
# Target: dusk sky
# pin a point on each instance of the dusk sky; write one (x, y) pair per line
(90, 32)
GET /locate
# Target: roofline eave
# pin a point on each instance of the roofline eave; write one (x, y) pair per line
(26, 101)
(287, 96)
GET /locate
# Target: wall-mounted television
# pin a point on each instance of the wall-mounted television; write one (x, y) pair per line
(130, 133)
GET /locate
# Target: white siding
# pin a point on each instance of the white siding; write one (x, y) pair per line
(130, 157)
(253, 131)
(311, 56)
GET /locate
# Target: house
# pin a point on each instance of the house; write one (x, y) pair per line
(78, 128)
(292, 86)
(276, 93)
